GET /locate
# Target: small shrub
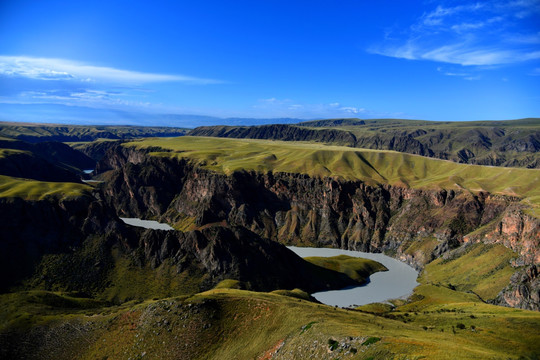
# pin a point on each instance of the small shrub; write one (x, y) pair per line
(307, 327)
(460, 326)
(332, 344)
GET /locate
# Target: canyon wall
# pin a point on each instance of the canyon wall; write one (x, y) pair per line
(414, 225)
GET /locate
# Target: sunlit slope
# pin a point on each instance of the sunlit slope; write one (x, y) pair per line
(11, 187)
(237, 324)
(372, 166)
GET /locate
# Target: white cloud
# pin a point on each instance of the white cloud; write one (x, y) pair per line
(533, 38)
(275, 107)
(464, 27)
(352, 110)
(437, 16)
(459, 74)
(90, 98)
(60, 69)
(460, 53)
(477, 34)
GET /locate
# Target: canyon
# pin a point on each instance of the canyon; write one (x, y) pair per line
(413, 225)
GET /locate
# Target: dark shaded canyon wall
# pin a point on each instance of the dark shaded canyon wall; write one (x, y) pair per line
(76, 245)
(297, 209)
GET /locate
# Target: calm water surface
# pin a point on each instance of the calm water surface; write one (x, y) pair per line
(148, 224)
(398, 282)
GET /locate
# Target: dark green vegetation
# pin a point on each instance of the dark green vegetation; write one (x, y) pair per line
(84, 285)
(356, 268)
(65, 133)
(514, 143)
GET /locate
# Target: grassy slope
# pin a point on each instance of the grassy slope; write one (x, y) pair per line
(483, 269)
(372, 166)
(356, 268)
(237, 324)
(11, 187)
(511, 143)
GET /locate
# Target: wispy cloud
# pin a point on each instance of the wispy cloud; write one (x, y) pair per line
(460, 53)
(437, 16)
(469, 34)
(28, 80)
(291, 108)
(458, 74)
(60, 69)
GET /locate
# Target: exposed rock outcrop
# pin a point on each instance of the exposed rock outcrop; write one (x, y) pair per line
(501, 144)
(79, 245)
(523, 291)
(414, 225)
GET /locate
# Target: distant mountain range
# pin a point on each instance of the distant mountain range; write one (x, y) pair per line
(79, 115)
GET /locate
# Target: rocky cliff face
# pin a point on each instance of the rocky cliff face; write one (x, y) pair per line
(32, 229)
(413, 225)
(80, 245)
(237, 253)
(520, 232)
(277, 132)
(497, 146)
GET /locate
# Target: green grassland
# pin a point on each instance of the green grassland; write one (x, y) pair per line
(372, 166)
(26, 189)
(445, 318)
(239, 324)
(8, 152)
(483, 269)
(510, 143)
(356, 268)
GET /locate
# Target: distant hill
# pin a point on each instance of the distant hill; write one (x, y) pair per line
(46, 161)
(82, 115)
(511, 143)
(32, 132)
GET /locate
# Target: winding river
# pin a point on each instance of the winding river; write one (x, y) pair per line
(147, 224)
(398, 282)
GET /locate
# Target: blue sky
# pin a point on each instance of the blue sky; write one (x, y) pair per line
(434, 60)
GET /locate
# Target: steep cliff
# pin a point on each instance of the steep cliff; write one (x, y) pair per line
(414, 225)
(78, 244)
(521, 233)
(56, 153)
(513, 143)
(32, 229)
(277, 132)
